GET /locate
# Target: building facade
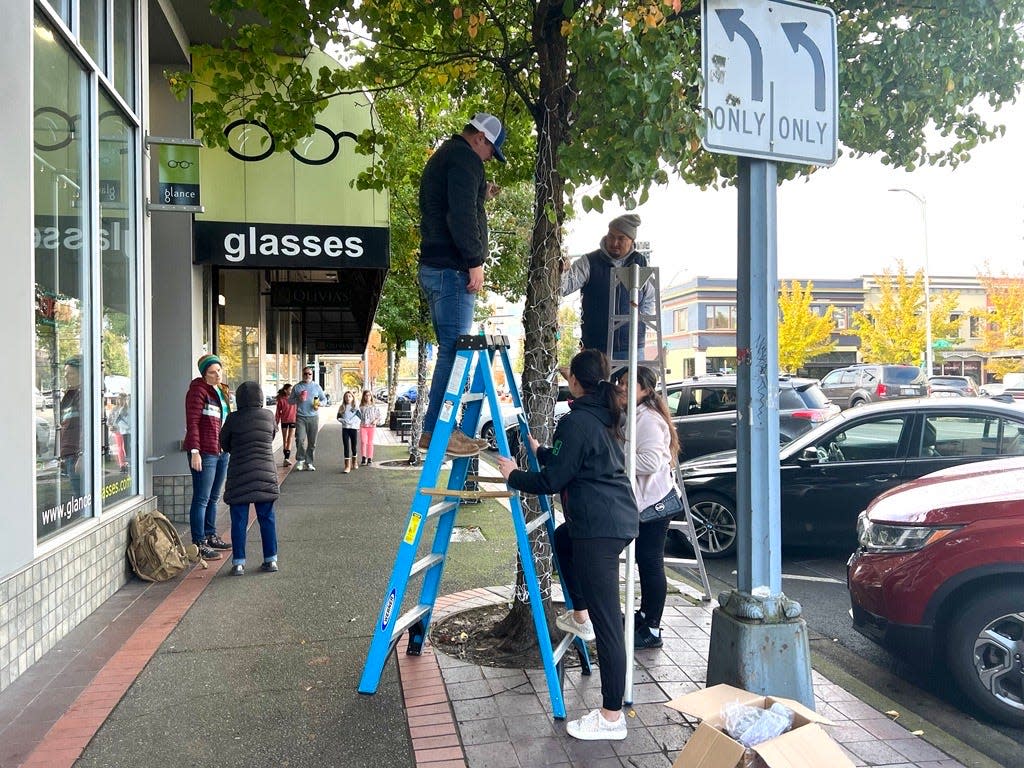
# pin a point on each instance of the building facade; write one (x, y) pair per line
(110, 298)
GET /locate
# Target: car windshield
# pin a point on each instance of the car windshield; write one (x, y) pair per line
(948, 381)
(902, 374)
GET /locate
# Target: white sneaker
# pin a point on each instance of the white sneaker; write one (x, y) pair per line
(300, 467)
(594, 727)
(584, 631)
(311, 468)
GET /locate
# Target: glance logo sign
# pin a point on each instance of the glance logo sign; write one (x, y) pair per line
(302, 246)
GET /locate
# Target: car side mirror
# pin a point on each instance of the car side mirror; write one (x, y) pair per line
(809, 455)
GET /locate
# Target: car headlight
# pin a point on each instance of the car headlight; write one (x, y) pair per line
(882, 537)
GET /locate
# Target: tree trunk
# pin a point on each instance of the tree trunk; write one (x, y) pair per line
(543, 290)
(420, 406)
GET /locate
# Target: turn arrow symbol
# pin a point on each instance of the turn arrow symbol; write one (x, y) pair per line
(797, 37)
(730, 18)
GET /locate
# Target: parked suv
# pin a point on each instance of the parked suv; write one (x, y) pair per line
(704, 411)
(952, 386)
(939, 579)
(869, 383)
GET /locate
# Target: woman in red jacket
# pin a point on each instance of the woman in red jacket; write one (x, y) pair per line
(285, 416)
(206, 407)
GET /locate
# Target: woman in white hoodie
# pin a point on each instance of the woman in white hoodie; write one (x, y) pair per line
(656, 449)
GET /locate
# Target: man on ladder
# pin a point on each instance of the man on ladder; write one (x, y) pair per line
(453, 249)
(591, 275)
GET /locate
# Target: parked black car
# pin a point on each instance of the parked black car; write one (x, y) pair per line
(870, 383)
(704, 411)
(830, 474)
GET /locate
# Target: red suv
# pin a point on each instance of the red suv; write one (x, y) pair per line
(939, 576)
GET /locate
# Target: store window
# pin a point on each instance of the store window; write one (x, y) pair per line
(720, 317)
(92, 30)
(64, 436)
(238, 325)
(117, 153)
(124, 50)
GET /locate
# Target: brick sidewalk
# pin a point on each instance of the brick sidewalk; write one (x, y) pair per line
(501, 718)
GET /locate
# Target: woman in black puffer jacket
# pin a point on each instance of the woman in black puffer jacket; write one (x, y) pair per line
(586, 465)
(248, 435)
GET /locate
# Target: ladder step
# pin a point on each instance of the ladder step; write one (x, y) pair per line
(425, 562)
(481, 479)
(537, 522)
(441, 507)
(681, 561)
(462, 494)
(409, 618)
(563, 645)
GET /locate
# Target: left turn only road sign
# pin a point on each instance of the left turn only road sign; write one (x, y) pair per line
(770, 80)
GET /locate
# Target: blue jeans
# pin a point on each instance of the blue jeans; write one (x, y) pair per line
(207, 485)
(451, 312)
(268, 531)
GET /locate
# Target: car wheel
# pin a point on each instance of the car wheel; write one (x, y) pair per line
(714, 522)
(856, 403)
(487, 433)
(984, 651)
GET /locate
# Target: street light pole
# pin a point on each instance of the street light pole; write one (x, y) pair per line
(928, 352)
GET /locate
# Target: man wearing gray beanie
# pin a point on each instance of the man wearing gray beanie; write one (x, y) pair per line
(591, 276)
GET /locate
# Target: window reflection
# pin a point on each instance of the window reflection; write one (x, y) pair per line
(63, 369)
(117, 343)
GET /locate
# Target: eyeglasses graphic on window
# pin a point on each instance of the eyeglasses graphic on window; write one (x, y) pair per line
(180, 163)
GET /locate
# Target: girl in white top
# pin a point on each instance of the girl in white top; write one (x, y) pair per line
(657, 446)
(348, 415)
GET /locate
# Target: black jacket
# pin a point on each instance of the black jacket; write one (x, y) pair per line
(586, 465)
(248, 435)
(453, 224)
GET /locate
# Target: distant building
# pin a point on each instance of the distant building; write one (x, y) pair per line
(699, 325)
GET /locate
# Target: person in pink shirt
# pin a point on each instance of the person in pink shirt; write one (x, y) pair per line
(285, 416)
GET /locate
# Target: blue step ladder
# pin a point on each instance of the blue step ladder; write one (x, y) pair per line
(474, 358)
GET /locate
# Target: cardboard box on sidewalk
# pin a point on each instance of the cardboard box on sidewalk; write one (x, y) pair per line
(806, 745)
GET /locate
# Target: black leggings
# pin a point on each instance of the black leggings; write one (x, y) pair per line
(650, 560)
(590, 574)
(348, 440)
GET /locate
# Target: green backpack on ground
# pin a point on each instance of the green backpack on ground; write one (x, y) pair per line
(154, 547)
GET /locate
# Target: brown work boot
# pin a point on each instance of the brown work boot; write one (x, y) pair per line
(424, 443)
(460, 445)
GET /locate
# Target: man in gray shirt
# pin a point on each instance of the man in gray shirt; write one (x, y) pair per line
(308, 396)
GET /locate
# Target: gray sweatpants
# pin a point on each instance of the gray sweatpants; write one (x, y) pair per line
(306, 428)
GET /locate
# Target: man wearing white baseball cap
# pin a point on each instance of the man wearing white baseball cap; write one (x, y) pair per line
(453, 248)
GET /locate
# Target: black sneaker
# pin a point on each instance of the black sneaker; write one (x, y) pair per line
(643, 638)
(270, 567)
(208, 553)
(217, 542)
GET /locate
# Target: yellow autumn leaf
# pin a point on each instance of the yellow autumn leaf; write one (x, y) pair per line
(442, 78)
(566, 27)
(472, 30)
(950, 85)
(457, 12)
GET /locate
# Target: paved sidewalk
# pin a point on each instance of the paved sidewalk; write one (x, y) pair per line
(262, 670)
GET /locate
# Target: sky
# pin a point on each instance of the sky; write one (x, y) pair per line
(843, 222)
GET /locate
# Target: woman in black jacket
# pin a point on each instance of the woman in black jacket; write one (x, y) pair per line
(248, 435)
(585, 464)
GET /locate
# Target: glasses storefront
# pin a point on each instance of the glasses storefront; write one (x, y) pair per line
(85, 210)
